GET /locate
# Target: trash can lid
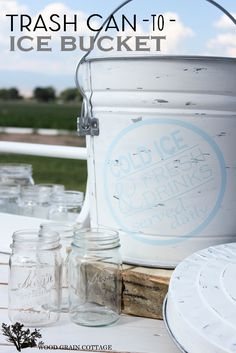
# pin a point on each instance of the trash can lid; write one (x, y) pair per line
(200, 310)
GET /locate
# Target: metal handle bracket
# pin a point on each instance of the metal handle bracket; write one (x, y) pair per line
(87, 126)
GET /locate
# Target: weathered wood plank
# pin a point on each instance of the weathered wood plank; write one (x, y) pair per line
(144, 290)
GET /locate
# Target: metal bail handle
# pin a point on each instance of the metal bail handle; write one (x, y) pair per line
(87, 124)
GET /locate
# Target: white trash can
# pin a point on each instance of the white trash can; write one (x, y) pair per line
(162, 169)
(161, 151)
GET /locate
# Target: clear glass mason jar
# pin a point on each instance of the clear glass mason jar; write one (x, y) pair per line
(9, 198)
(66, 206)
(33, 202)
(34, 278)
(95, 285)
(20, 174)
(66, 233)
(52, 189)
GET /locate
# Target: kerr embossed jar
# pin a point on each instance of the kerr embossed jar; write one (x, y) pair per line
(34, 278)
(95, 277)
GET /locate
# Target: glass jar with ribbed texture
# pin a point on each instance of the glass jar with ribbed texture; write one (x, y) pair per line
(95, 284)
(34, 278)
(16, 173)
(66, 206)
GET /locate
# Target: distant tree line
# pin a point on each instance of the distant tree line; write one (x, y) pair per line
(43, 94)
(9, 94)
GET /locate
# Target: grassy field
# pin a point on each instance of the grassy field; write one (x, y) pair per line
(39, 115)
(71, 173)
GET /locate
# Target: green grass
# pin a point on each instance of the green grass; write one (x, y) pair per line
(71, 173)
(39, 115)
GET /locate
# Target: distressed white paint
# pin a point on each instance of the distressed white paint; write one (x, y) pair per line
(186, 105)
(201, 305)
(129, 335)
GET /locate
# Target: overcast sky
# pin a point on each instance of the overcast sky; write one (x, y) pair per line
(200, 29)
